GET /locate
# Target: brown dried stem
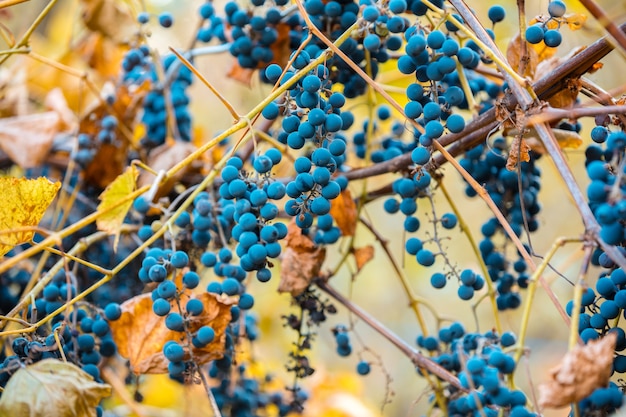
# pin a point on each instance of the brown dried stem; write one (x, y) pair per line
(417, 358)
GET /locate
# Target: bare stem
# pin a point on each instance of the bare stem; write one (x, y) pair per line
(417, 358)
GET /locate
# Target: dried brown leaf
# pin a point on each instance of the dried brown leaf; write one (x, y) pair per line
(240, 74)
(524, 62)
(280, 51)
(363, 256)
(344, 212)
(13, 91)
(582, 370)
(55, 101)
(140, 334)
(110, 159)
(504, 115)
(28, 139)
(519, 153)
(301, 261)
(102, 54)
(108, 18)
(51, 387)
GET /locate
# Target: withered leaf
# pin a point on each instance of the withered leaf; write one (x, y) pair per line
(280, 51)
(363, 256)
(582, 370)
(51, 387)
(27, 139)
(301, 261)
(140, 334)
(344, 212)
(13, 91)
(110, 158)
(109, 19)
(522, 57)
(240, 74)
(519, 153)
(55, 100)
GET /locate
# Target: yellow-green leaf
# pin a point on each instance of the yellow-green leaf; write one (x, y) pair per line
(51, 387)
(24, 202)
(112, 220)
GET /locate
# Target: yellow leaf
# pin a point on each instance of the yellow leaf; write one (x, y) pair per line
(123, 185)
(575, 21)
(24, 203)
(51, 387)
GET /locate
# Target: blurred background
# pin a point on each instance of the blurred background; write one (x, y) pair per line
(335, 388)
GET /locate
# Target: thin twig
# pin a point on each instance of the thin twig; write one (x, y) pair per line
(417, 358)
(547, 137)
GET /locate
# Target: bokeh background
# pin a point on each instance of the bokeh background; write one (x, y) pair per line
(335, 387)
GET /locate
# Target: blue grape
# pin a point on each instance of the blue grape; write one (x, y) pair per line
(496, 13)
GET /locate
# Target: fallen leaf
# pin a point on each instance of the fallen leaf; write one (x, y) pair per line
(523, 64)
(24, 202)
(344, 212)
(163, 158)
(582, 370)
(519, 152)
(301, 261)
(140, 334)
(111, 221)
(52, 387)
(28, 139)
(363, 255)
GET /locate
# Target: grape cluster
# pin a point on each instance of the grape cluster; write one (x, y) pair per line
(517, 199)
(88, 147)
(255, 231)
(598, 312)
(606, 189)
(82, 337)
(155, 111)
(312, 191)
(482, 366)
(254, 36)
(548, 30)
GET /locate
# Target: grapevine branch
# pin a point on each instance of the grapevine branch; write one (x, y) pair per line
(417, 358)
(547, 137)
(478, 129)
